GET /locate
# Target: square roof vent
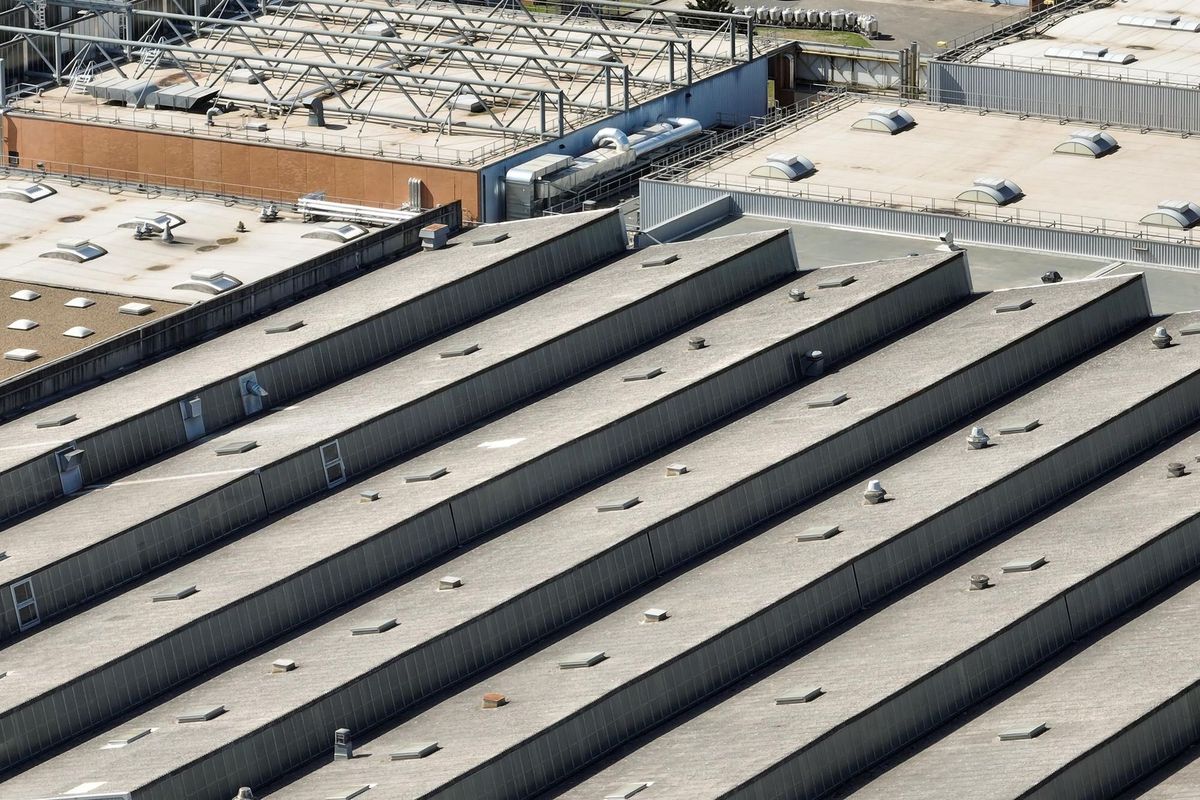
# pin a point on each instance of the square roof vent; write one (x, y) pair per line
(1023, 732)
(234, 448)
(28, 295)
(1024, 564)
(827, 400)
(174, 594)
(618, 505)
(79, 302)
(645, 375)
(834, 283)
(818, 533)
(26, 192)
(21, 354)
(340, 232)
(285, 327)
(803, 695)
(136, 309)
(78, 332)
(1019, 305)
(582, 660)
(77, 250)
(22, 325)
(55, 422)
(465, 350)
(429, 475)
(660, 261)
(201, 714)
(381, 626)
(626, 791)
(417, 750)
(1019, 427)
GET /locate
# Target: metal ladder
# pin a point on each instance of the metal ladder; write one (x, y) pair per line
(82, 77)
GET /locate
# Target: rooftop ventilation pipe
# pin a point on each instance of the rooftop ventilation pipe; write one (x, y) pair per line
(875, 493)
(1161, 339)
(316, 112)
(977, 439)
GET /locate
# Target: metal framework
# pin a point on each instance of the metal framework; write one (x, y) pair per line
(423, 63)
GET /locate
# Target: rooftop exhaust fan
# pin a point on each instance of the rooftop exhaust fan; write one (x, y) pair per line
(26, 192)
(340, 232)
(1169, 23)
(992, 191)
(77, 251)
(1173, 214)
(785, 166)
(210, 281)
(1088, 143)
(1102, 54)
(885, 120)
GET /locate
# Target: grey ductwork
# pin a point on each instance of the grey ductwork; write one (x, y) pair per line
(611, 137)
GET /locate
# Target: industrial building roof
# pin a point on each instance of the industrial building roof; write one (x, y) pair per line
(206, 239)
(1164, 52)
(705, 603)
(421, 81)
(977, 335)
(926, 167)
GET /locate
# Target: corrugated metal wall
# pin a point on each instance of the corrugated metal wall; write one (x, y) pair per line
(1077, 98)
(661, 201)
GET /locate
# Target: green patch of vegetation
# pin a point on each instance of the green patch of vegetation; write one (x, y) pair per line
(846, 38)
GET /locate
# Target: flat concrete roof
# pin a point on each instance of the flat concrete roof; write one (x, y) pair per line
(732, 588)
(928, 165)
(54, 318)
(208, 239)
(106, 510)
(722, 460)
(574, 410)
(240, 350)
(1162, 54)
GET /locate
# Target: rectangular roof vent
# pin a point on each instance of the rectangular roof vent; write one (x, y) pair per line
(1024, 565)
(174, 594)
(661, 261)
(1004, 308)
(619, 505)
(429, 475)
(626, 791)
(21, 354)
(28, 295)
(127, 738)
(582, 660)
(805, 694)
(489, 239)
(834, 283)
(233, 448)
(827, 400)
(382, 626)
(1019, 427)
(818, 533)
(56, 422)
(136, 309)
(1023, 732)
(459, 351)
(286, 327)
(201, 714)
(417, 750)
(643, 376)
(79, 302)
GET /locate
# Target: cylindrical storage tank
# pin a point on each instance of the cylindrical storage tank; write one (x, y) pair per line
(789, 17)
(763, 14)
(851, 20)
(776, 15)
(826, 18)
(872, 27)
(814, 17)
(838, 19)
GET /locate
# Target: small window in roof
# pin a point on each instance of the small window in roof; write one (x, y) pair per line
(77, 250)
(1092, 144)
(626, 791)
(21, 354)
(201, 714)
(28, 295)
(991, 191)
(22, 325)
(337, 232)
(158, 222)
(1173, 214)
(785, 166)
(79, 302)
(26, 192)
(413, 751)
(1101, 54)
(885, 120)
(136, 309)
(210, 281)
(78, 332)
